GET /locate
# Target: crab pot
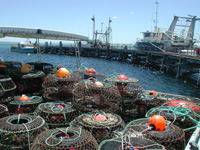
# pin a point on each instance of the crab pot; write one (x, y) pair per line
(86, 75)
(7, 88)
(88, 96)
(129, 88)
(64, 86)
(3, 111)
(28, 82)
(132, 143)
(172, 137)
(45, 67)
(17, 106)
(147, 101)
(57, 114)
(66, 139)
(55, 94)
(19, 131)
(101, 125)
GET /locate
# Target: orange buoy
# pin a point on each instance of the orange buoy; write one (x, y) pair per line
(3, 66)
(186, 104)
(157, 123)
(24, 98)
(152, 92)
(26, 68)
(63, 73)
(97, 83)
(100, 117)
(122, 77)
(91, 70)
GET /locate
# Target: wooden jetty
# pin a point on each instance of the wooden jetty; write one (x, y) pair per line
(179, 63)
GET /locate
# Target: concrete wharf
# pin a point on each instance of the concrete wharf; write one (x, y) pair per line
(181, 64)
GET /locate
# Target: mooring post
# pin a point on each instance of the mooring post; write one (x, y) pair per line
(60, 48)
(147, 58)
(198, 78)
(132, 56)
(179, 72)
(163, 62)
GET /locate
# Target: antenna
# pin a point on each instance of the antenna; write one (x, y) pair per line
(156, 21)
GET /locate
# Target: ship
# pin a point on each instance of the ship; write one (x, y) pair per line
(179, 36)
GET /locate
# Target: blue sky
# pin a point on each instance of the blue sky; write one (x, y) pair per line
(129, 17)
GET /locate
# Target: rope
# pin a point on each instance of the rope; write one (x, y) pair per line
(29, 145)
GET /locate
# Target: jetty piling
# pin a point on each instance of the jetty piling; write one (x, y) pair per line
(180, 63)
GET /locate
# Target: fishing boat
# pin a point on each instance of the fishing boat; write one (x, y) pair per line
(179, 36)
(24, 47)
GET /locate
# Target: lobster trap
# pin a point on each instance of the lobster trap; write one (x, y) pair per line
(54, 86)
(65, 138)
(90, 95)
(19, 131)
(90, 73)
(129, 143)
(7, 89)
(129, 88)
(101, 125)
(47, 68)
(148, 100)
(3, 111)
(172, 137)
(28, 82)
(17, 105)
(57, 114)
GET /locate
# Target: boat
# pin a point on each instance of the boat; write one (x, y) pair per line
(24, 47)
(179, 36)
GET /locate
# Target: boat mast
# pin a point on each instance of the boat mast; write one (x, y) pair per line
(156, 21)
(93, 19)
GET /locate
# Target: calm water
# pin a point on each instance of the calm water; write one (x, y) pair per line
(150, 79)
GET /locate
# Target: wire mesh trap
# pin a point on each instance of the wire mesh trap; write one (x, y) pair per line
(64, 86)
(129, 143)
(45, 67)
(90, 95)
(19, 131)
(3, 111)
(129, 88)
(101, 125)
(65, 139)
(9, 66)
(148, 100)
(57, 114)
(86, 73)
(182, 117)
(23, 104)
(7, 89)
(172, 137)
(28, 82)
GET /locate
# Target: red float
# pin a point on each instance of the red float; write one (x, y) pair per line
(185, 104)
(122, 77)
(157, 123)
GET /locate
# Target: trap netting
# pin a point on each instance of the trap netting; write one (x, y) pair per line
(23, 104)
(45, 67)
(86, 73)
(7, 89)
(63, 86)
(129, 88)
(101, 125)
(90, 95)
(3, 111)
(65, 139)
(129, 143)
(57, 114)
(19, 131)
(8, 67)
(28, 82)
(172, 137)
(148, 100)
(184, 114)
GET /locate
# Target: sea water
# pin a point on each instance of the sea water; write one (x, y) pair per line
(150, 79)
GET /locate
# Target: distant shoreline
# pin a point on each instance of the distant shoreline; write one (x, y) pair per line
(2, 42)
